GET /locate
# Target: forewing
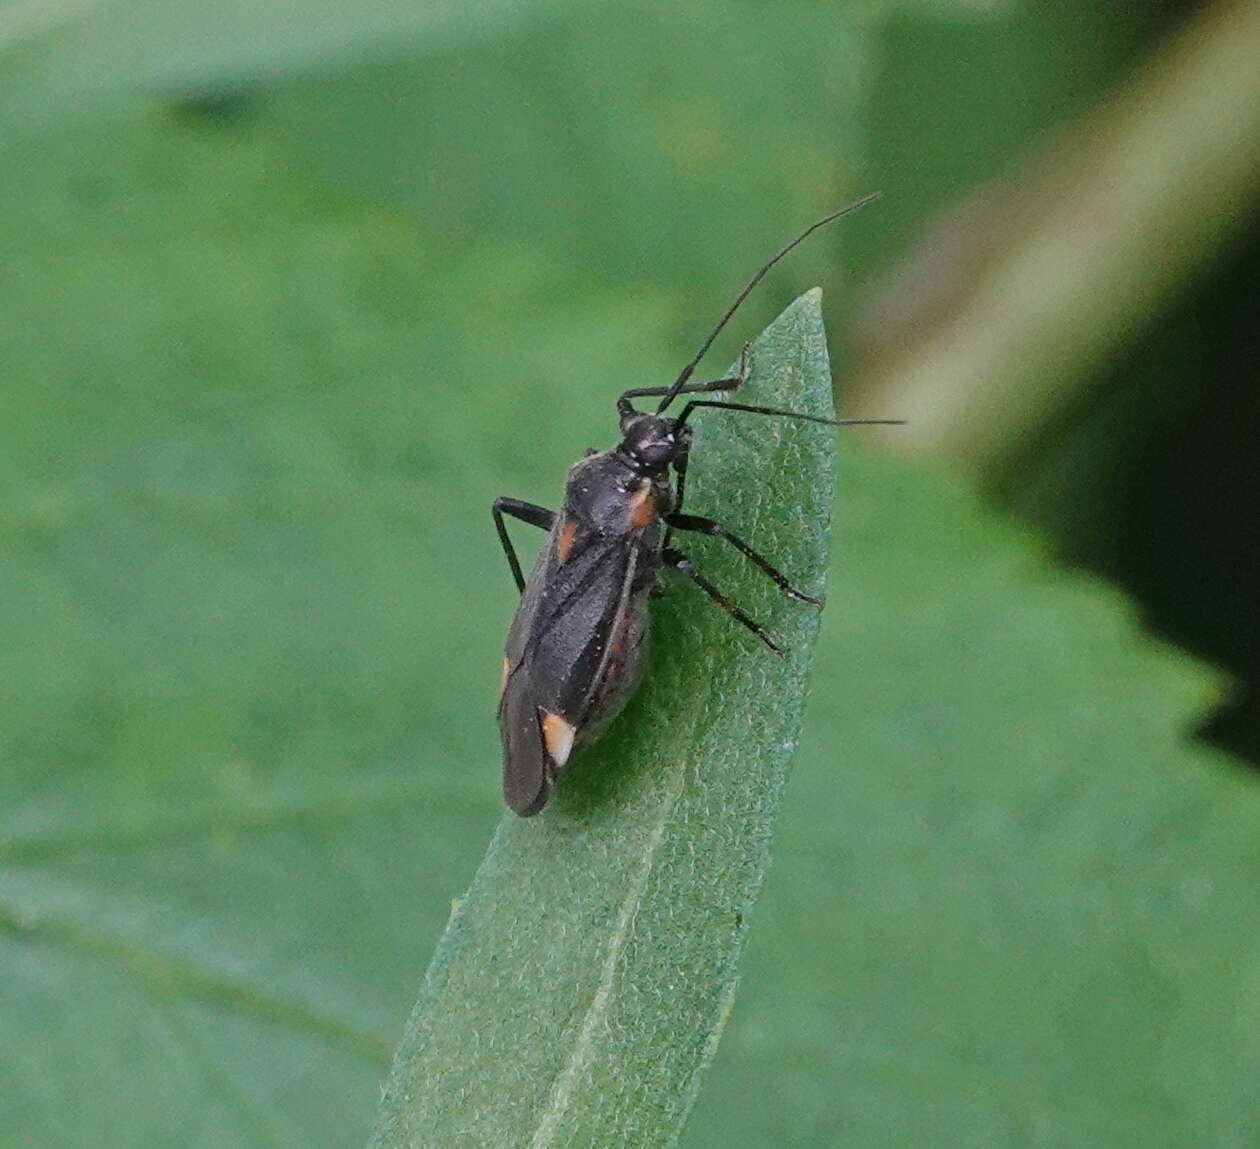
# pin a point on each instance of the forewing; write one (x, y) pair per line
(556, 651)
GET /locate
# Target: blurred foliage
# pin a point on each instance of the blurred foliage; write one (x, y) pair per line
(289, 294)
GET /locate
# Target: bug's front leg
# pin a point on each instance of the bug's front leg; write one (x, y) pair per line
(728, 384)
(680, 462)
(680, 483)
(680, 562)
(530, 513)
(731, 383)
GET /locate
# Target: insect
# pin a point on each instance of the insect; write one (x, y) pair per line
(578, 643)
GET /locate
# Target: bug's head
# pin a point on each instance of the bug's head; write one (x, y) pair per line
(652, 441)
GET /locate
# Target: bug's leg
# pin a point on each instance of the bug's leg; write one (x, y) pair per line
(681, 562)
(704, 526)
(680, 484)
(680, 463)
(730, 384)
(528, 513)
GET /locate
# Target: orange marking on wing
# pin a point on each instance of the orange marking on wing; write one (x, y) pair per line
(564, 544)
(642, 505)
(507, 666)
(558, 737)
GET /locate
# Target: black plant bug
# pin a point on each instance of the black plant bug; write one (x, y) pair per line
(576, 648)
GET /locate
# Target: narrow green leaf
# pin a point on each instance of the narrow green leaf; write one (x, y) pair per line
(582, 985)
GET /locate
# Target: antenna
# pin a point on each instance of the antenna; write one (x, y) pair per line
(685, 373)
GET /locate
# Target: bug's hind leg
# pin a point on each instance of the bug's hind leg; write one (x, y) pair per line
(530, 513)
(701, 525)
(681, 562)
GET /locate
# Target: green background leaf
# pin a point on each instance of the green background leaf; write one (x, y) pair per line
(253, 608)
(63, 54)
